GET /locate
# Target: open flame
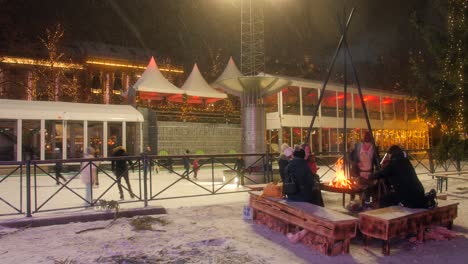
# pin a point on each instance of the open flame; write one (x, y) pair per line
(340, 180)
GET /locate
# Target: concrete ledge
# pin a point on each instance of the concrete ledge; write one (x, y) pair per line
(86, 215)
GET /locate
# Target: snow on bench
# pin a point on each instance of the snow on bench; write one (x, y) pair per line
(329, 231)
(389, 222)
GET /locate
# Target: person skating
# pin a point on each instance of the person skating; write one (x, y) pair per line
(120, 169)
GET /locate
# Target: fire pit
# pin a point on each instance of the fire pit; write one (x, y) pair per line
(341, 183)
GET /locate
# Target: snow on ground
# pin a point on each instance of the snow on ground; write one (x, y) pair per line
(212, 234)
(211, 230)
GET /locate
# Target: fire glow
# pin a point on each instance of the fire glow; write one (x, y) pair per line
(340, 180)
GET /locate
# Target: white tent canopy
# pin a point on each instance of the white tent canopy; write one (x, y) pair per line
(37, 110)
(230, 72)
(196, 85)
(152, 81)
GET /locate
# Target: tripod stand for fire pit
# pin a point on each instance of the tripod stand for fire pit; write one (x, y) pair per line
(343, 46)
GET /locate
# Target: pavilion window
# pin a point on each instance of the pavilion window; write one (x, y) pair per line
(411, 110)
(388, 108)
(96, 136)
(400, 109)
(309, 101)
(96, 83)
(341, 96)
(53, 139)
(8, 143)
(328, 104)
(291, 103)
(31, 139)
(117, 88)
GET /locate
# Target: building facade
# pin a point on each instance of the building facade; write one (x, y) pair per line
(395, 118)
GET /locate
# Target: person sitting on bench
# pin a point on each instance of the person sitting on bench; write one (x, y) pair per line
(406, 189)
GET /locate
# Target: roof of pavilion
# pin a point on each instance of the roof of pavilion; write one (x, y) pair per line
(196, 85)
(37, 110)
(152, 81)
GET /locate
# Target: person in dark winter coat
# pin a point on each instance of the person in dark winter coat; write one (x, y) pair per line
(186, 162)
(120, 169)
(407, 189)
(304, 179)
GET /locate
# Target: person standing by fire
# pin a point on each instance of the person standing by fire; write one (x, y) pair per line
(363, 162)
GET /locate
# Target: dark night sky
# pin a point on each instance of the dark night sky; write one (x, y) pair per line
(188, 31)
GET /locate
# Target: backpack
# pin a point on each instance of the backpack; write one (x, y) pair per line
(289, 183)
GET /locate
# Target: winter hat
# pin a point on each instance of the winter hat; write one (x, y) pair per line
(299, 153)
(288, 152)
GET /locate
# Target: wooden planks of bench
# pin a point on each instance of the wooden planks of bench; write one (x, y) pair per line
(387, 223)
(333, 229)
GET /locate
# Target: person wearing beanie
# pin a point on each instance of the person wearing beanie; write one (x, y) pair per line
(285, 156)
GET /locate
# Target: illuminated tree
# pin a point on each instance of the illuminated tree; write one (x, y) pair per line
(55, 81)
(439, 71)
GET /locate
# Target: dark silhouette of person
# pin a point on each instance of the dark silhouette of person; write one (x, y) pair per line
(186, 162)
(120, 169)
(407, 189)
(304, 178)
(58, 168)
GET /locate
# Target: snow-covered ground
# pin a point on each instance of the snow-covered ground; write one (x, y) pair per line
(211, 230)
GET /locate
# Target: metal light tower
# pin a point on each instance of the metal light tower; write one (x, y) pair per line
(252, 37)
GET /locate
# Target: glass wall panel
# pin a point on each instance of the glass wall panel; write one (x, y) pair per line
(8, 140)
(95, 136)
(373, 106)
(387, 108)
(328, 104)
(296, 136)
(53, 139)
(133, 142)
(272, 139)
(334, 139)
(114, 136)
(358, 111)
(309, 100)
(75, 139)
(286, 131)
(411, 110)
(271, 103)
(291, 100)
(325, 139)
(31, 139)
(400, 109)
(341, 97)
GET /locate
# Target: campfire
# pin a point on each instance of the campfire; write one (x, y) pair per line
(341, 181)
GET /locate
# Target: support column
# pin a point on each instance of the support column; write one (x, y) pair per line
(42, 144)
(124, 135)
(85, 135)
(104, 139)
(141, 137)
(64, 139)
(19, 140)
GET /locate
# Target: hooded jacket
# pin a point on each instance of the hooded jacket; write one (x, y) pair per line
(400, 173)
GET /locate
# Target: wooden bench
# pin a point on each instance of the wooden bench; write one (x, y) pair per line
(329, 231)
(387, 223)
(256, 187)
(444, 176)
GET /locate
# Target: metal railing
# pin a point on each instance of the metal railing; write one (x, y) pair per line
(46, 189)
(34, 186)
